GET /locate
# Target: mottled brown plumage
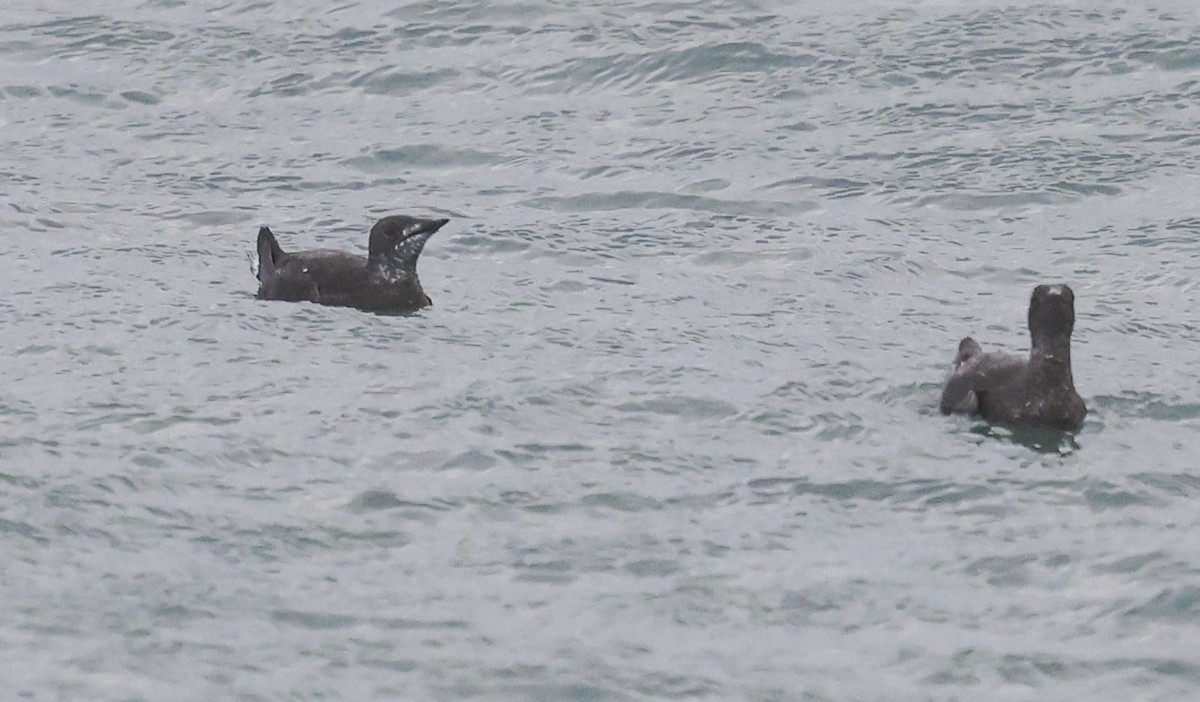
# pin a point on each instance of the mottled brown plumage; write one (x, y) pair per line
(384, 281)
(1005, 389)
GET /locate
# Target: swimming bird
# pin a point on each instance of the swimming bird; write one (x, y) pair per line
(384, 281)
(1004, 389)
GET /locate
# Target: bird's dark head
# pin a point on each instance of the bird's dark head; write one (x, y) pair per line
(400, 239)
(1051, 312)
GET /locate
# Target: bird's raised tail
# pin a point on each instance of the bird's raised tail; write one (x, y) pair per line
(269, 253)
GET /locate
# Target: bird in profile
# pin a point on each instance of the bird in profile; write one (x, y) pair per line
(384, 281)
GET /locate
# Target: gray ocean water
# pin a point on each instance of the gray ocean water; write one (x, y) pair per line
(669, 430)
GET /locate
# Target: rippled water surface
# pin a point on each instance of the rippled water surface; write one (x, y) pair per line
(670, 428)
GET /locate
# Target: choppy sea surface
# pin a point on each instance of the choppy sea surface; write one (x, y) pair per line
(669, 430)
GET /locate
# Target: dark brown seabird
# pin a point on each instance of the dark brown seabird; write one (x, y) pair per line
(1005, 389)
(385, 281)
